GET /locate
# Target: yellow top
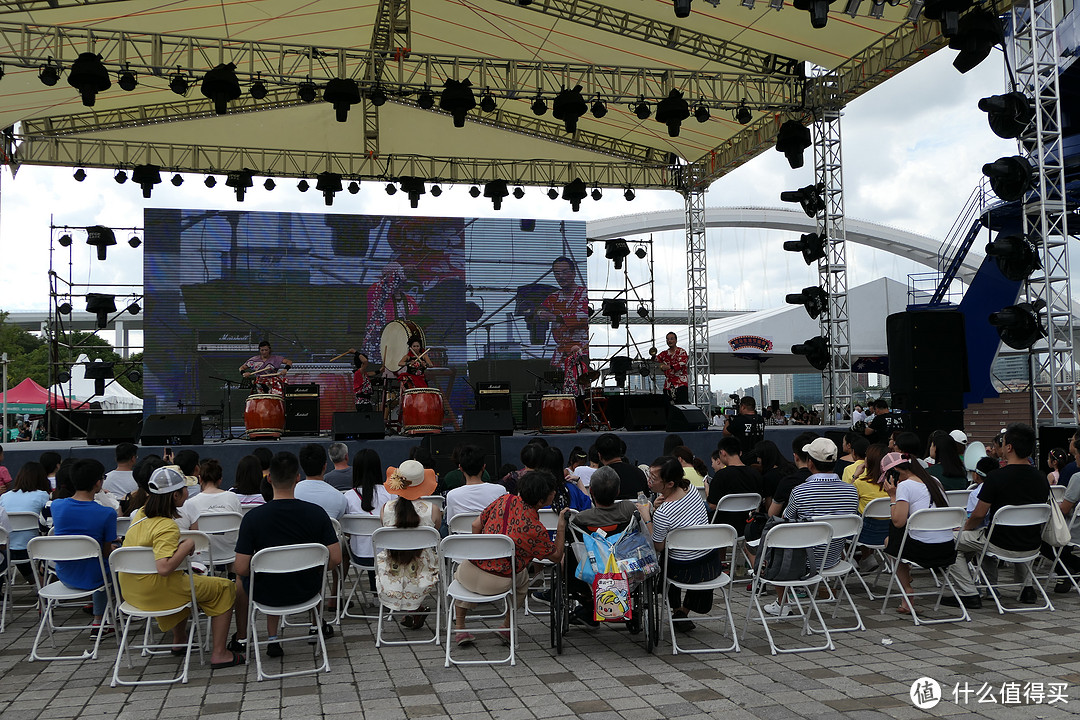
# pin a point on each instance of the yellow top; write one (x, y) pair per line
(693, 476)
(868, 491)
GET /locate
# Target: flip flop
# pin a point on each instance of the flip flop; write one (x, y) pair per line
(178, 651)
(903, 610)
(237, 659)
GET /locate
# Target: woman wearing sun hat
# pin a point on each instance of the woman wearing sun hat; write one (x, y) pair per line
(403, 578)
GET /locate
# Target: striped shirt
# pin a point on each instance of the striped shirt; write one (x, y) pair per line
(688, 510)
(823, 494)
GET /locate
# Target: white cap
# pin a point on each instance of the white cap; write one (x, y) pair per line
(822, 449)
(959, 437)
(167, 479)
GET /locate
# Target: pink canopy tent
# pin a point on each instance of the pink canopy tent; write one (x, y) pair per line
(29, 393)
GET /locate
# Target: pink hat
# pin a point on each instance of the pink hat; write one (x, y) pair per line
(892, 460)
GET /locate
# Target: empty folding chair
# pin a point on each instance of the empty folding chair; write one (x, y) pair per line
(846, 528)
(418, 538)
(21, 522)
(357, 526)
(695, 538)
(457, 549)
(929, 520)
(1034, 515)
(461, 524)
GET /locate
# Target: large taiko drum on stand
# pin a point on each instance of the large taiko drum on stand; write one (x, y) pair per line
(558, 414)
(421, 411)
(264, 416)
(394, 343)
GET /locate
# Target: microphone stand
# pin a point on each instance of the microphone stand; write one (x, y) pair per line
(228, 406)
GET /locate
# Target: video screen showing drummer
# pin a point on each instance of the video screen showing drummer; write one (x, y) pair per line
(413, 365)
(568, 312)
(266, 370)
(363, 391)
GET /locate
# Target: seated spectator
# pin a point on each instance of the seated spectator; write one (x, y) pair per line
(607, 512)
(455, 478)
(5, 476)
(948, 467)
(29, 493)
(858, 446)
(531, 456)
(182, 521)
(1056, 459)
(141, 474)
(247, 483)
(313, 488)
(568, 493)
(121, 482)
(340, 478)
(212, 499)
(774, 467)
(694, 468)
(734, 477)
(188, 462)
(868, 485)
(611, 450)
(367, 497)
(475, 494)
(796, 478)
(579, 466)
(50, 461)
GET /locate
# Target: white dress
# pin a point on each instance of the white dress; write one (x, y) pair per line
(403, 586)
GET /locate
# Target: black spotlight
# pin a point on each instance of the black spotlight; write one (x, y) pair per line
(671, 111)
(813, 299)
(979, 31)
(616, 250)
(569, 106)
(426, 99)
(792, 140)
(682, 8)
(258, 89)
(354, 187)
(643, 312)
(377, 96)
(391, 188)
(629, 194)
(818, 9)
(811, 245)
(99, 372)
(147, 176)
(1008, 114)
(221, 86)
(240, 181)
(307, 91)
(210, 181)
(303, 186)
(134, 308)
(49, 74)
(588, 253)
(614, 309)
(742, 114)
(811, 198)
(553, 193)
(487, 103)
(641, 252)
(947, 12)
(65, 240)
(642, 109)
(414, 188)
(436, 191)
(816, 351)
(120, 177)
(134, 241)
(496, 190)
(134, 375)
(127, 81)
(574, 191)
(457, 99)
(519, 192)
(329, 184)
(79, 175)
(1015, 255)
(539, 106)
(63, 377)
(178, 84)
(177, 180)
(102, 238)
(269, 184)
(474, 192)
(101, 305)
(89, 76)
(598, 109)
(1010, 177)
(596, 194)
(342, 93)
(64, 308)
(701, 113)
(1019, 326)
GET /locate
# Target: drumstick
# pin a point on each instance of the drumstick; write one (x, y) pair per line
(350, 351)
(265, 369)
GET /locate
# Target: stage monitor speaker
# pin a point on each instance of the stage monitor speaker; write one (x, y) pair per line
(646, 412)
(442, 449)
(113, 429)
(918, 342)
(366, 425)
(302, 415)
(496, 421)
(172, 430)
(683, 418)
(531, 406)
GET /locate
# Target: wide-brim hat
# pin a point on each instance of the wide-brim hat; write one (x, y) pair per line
(411, 480)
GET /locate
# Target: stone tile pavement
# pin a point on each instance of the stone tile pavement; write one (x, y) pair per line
(602, 674)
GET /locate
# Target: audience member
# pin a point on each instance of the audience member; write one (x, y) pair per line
(28, 493)
(948, 467)
(733, 478)
(694, 468)
(367, 497)
(798, 477)
(50, 461)
(213, 499)
(313, 488)
(475, 494)
(188, 462)
(141, 474)
(341, 477)
(247, 483)
(121, 482)
(632, 481)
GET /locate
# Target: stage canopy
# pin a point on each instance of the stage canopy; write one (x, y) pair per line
(627, 56)
(29, 397)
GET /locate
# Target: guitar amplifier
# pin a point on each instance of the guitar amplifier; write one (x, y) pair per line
(493, 396)
(302, 390)
(302, 409)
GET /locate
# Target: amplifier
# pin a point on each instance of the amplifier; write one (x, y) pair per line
(493, 395)
(302, 414)
(302, 390)
(530, 411)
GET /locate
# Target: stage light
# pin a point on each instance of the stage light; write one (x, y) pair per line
(792, 139)
(210, 181)
(641, 252)
(811, 245)
(240, 181)
(63, 377)
(102, 238)
(642, 109)
(329, 184)
(177, 180)
(629, 194)
(436, 191)
(979, 31)
(671, 111)
(89, 76)
(65, 240)
(134, 241)
(1020, 326)
(426, 99)
(596, 194)
(1008, 114)
(569, 106)
(599, 109)
(553, 193)
(146, 176)
(813, 299)
(701, 113)
(134, 308)
(487, 103)
(574, 192)
(79, 175)
(810, 198)
(307, 91)
(519, 192)
(816, 351)
(342, 93)
(539, 107)
(413, 187)
(496, 190)
(474, 191)
(178, 84)
(588, 253)
(377, 96)
(99, 372)
(616, 250)
(947, 12)
(269, 184)
(742, 114)
(391, 188)
(258, 89)
(64, 308)
(620, 367)
(354, 187)
(682, 8)
(303, 186)
(818, 9)
(127, 80)
(49, 74)
(1015, 255)
(1010, 177)
(120, 177)
(614, 309)
(221, 86)
(457, 99)
(134, 375)
(643, 312)
(101, 305)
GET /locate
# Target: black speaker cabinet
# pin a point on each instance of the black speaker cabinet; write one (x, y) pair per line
(494, 395)
(530, 411)
(442, 448)
(302, 415)
(496, 421)
(357, 425)
(646, 412)
(927, 360)
(172, 430)
(113, 429)
(683, 418)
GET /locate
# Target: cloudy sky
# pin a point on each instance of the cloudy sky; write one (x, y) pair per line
(912, 151)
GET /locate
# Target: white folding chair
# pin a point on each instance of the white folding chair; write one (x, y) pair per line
(737, 503)
(929, 520)
(803, 535)
(66, 548)
(461, 524)
(20, 522)
(222, 527)
(418, 538)
(1057, 567)
(123, 522)
(692, 539)
(847, 528)
(357, 525)
(279, 560)
(5, 592)
(542, 580)
(1034, 515)
(459, 548)
(958, 498)
(141, 561)
(876, 509)
(1057, 493)
(437, 501)
(204, 552)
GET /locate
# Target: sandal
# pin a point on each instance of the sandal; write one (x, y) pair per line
(407, 621)
(462, 638)
(904, 610)
(237, 659)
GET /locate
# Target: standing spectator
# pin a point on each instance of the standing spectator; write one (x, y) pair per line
(314, 488)
(120, 481)
(475, 495)
(340, 478)
(747, 425)
(883, 423)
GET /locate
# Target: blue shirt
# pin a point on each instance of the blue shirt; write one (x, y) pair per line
(19, 501)
(83, 517)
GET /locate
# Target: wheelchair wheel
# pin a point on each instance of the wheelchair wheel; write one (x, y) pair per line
(558, 618)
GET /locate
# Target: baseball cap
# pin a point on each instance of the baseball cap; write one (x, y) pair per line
(959, 437)
(821, 449)
(167, 479)
(893, 459)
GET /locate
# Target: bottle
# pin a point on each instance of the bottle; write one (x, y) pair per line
(644, 507)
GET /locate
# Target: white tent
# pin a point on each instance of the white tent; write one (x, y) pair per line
(80, 389)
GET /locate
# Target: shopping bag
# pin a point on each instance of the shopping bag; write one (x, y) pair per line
(611, 594)
(1056, 530)
(592, 554)
(636, 557)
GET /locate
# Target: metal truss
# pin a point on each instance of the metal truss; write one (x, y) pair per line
(697, 291)
(832, 269)
(393, 31)
(22, 6)
(683, 40)
(1035, 55)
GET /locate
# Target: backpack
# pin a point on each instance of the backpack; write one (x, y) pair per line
(782, 563)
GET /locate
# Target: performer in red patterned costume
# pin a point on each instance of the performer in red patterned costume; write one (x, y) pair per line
(568, 312)
(675, 363)
(266, 370)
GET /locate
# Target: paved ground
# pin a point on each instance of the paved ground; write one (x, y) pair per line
(602, 674)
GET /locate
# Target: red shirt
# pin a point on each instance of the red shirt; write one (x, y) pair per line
(509, 515)
(678, 373)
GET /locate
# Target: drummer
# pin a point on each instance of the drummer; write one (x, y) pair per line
(267, 369)
(362, 382)
(413, 365)
(568, 311)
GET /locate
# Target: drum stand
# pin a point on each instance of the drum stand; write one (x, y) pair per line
(594, 418)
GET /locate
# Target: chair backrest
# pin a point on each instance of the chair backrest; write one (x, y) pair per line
(739, 502)
(461, 524)
(4, 538)
(932, 519)
(704, 491)
(133, 561)
(797, 535)
(958, 498)
(245, 509)
(477, 547)
(356, 524)
(61, 548)
(123, 523)
(437, 500)
(877, 509)
(843, 526)
(201, 539)
(550, 518)
(1058, 492)
(701, 537)
(215, 523)
(290, 558)
(418, 538)
(23, 521)
(1021, 515)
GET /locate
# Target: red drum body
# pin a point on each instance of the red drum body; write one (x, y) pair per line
(558, 414)
(264, 416)
(421, 411)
